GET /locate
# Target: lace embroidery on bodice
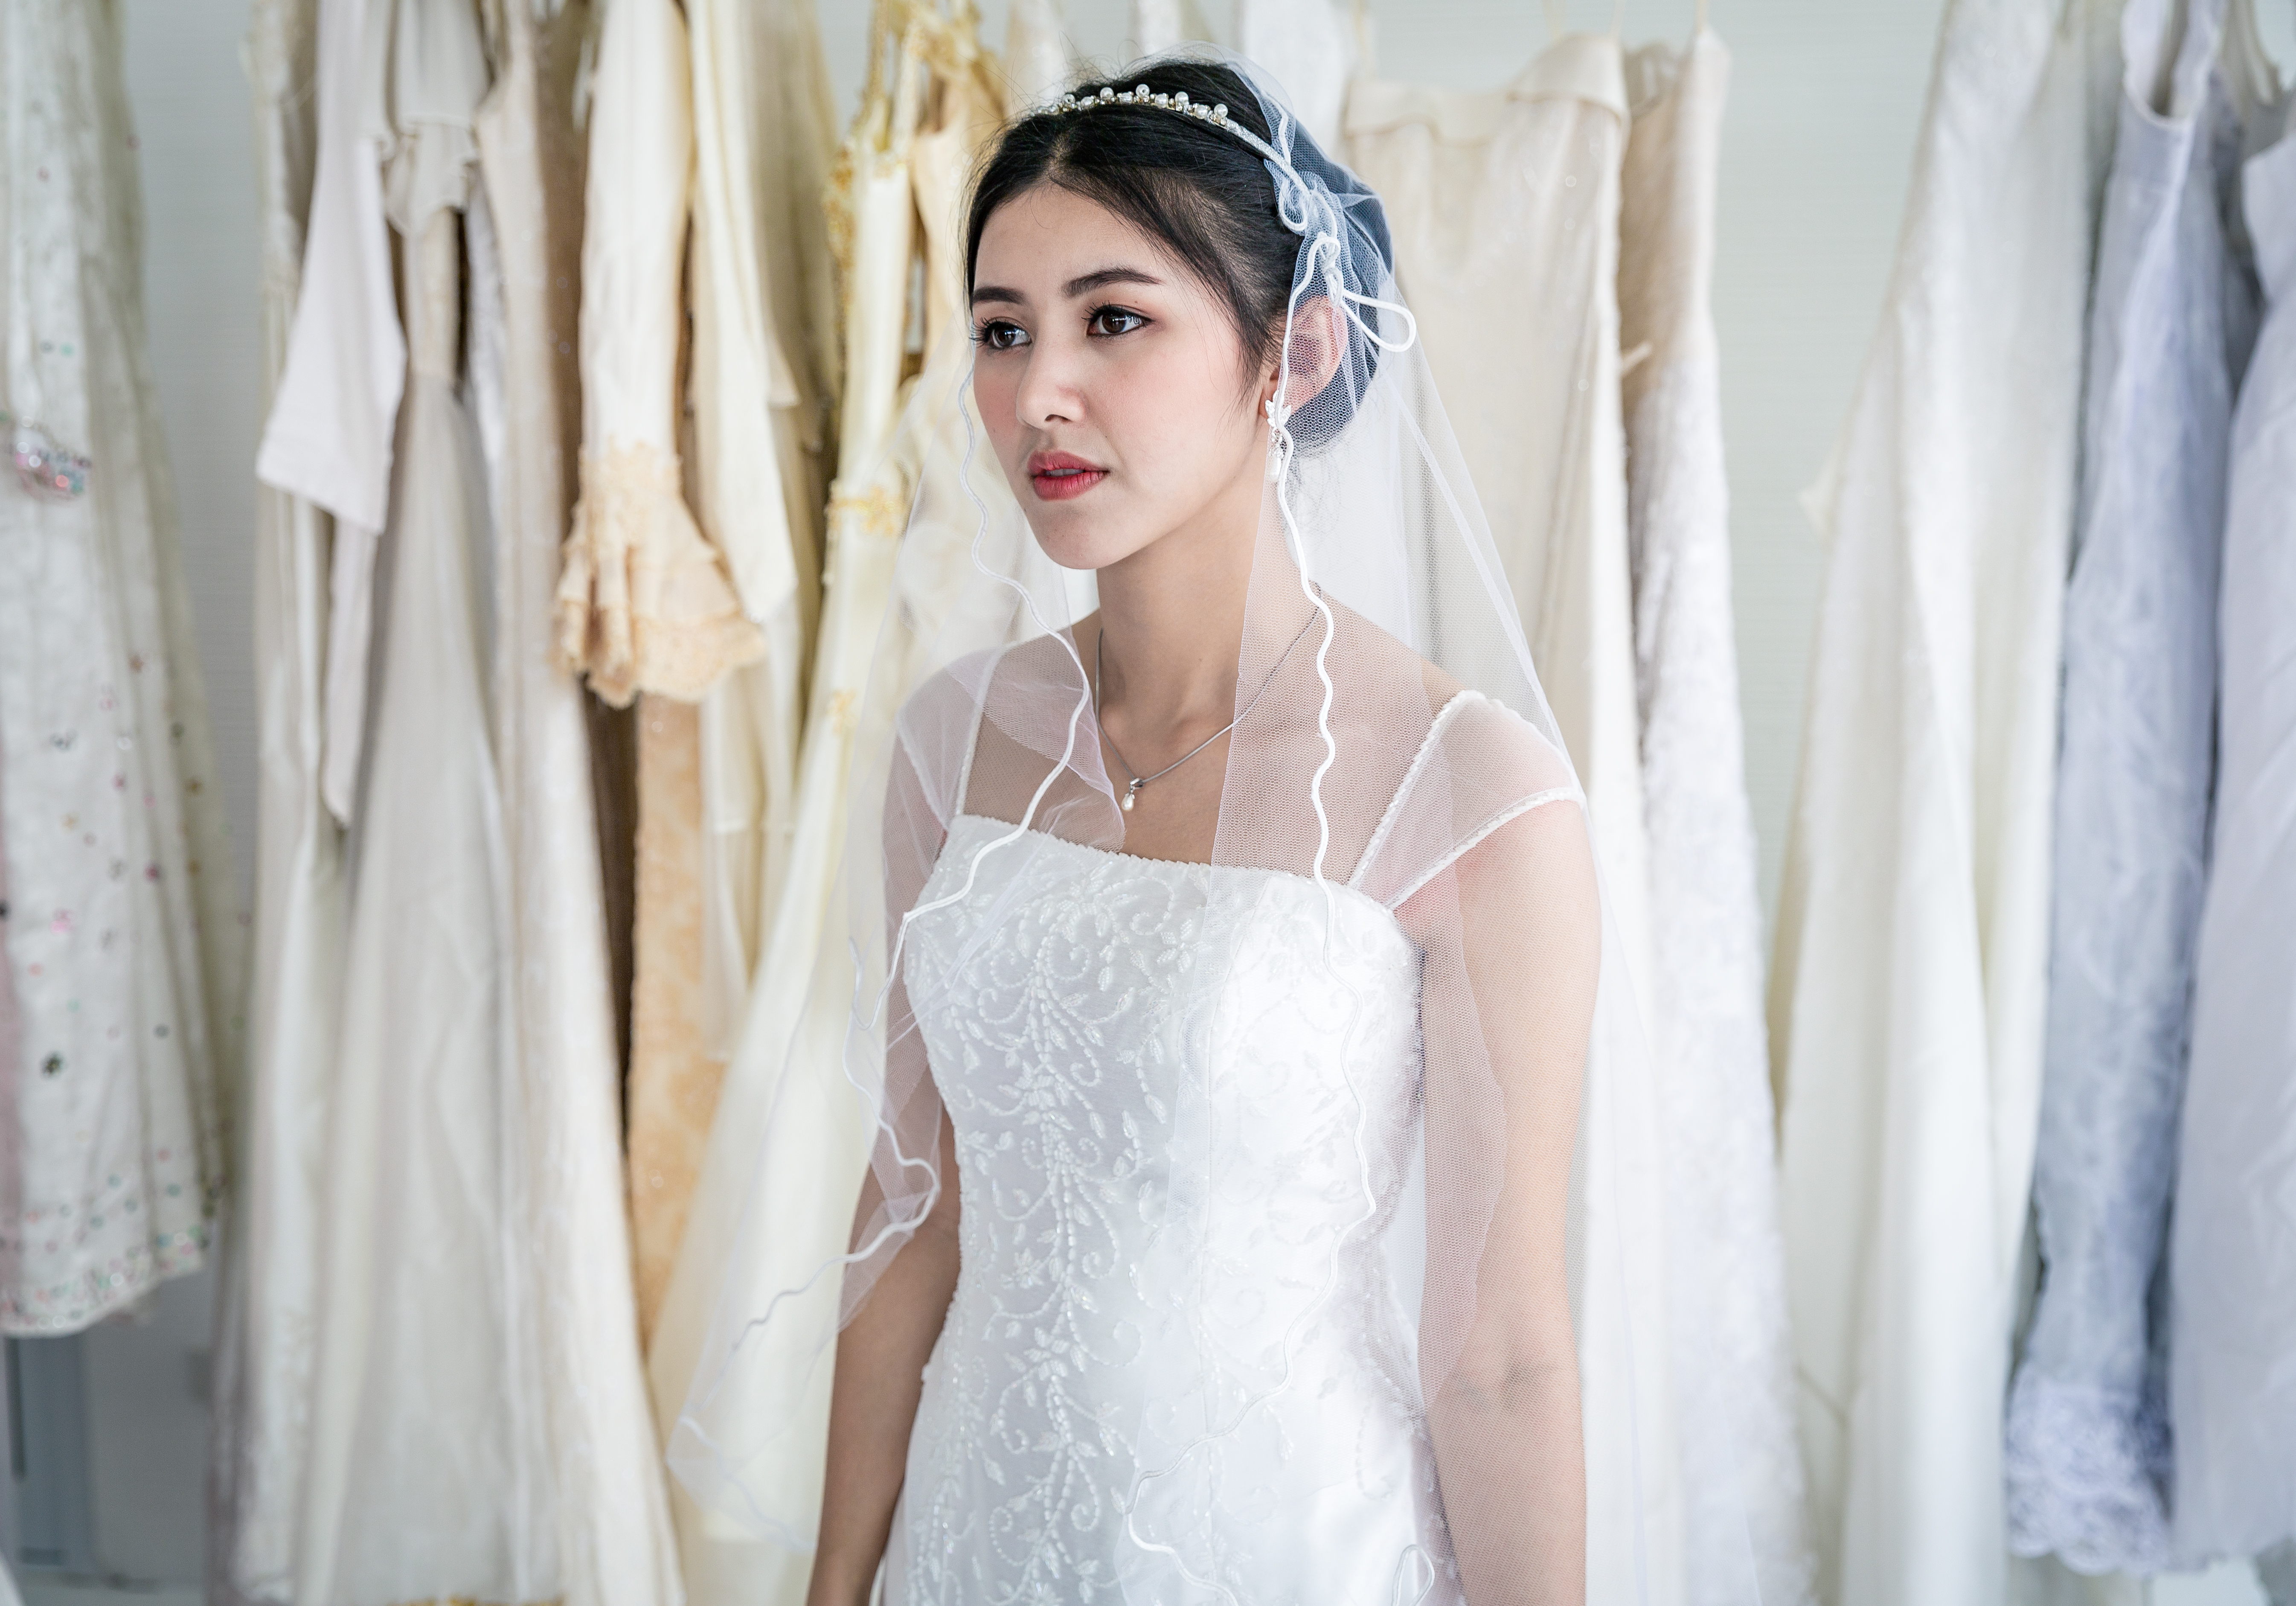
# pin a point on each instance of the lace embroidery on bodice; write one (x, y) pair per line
(1096, 1072)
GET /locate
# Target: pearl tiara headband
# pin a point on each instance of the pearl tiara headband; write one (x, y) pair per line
(1178, 100)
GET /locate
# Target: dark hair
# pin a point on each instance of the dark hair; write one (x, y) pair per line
(1196, 189)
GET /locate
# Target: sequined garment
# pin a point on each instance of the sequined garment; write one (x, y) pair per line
(123, 944)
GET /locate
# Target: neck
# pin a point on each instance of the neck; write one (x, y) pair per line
(1172, 619)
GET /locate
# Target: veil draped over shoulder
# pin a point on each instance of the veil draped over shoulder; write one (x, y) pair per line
(1398, 790)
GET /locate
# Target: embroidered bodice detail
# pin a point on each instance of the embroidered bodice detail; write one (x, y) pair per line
(1174, 1091)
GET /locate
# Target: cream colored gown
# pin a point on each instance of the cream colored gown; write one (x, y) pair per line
(430, 1473)
(1743, 1459)
(1908, 990)
(615, 1544)
(898, 174)
(264, 1367)
(1504, 209)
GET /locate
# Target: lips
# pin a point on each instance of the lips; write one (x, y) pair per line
(1059, 476)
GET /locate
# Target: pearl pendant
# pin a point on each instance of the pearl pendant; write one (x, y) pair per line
(1131, 793)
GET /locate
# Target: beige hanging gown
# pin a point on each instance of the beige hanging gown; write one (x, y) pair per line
(1743, 1475)
(645, 604)
(897, 174)
(615, 1542)
(761, 388)
(264, 1361)
(763, 392)
(1504, 209)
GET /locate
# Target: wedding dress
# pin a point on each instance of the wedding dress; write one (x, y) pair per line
(898, 173)
(121, 932)
(644, 603)
(1504, 207)
(2086, 1452)
(428, 1413)
(612, 1529)
(1705, 996)
(1908, 987)
(328, 437)
(1035, 1420)
(1231, 1139)
(2232, 1299)
(264, 1360)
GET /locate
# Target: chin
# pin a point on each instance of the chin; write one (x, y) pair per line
(1076, 542)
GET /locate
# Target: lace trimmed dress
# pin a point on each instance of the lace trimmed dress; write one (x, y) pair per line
(1266, 1372)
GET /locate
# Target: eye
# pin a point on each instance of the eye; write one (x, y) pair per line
(1000, 334)
(1109, 321)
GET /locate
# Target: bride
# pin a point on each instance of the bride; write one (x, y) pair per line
(1249, 1085)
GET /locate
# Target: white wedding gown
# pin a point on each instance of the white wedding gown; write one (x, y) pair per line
(1073, 1311)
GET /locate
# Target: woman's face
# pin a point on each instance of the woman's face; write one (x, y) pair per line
(1110, 381)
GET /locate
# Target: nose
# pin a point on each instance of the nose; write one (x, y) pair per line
(1048, 392)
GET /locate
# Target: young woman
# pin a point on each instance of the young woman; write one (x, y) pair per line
(1226, 1052)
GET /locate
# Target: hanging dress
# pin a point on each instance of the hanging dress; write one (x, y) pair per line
(427, 1414)
(1505, 209)
(2086, 1452)
(1743, 1477)
(1310, 51)
(1909, 982)
(614, 1538)
(121, 934)
(897, 174)
(264, 1360)
(763, 387)
(328, 436)
(2231, 1355)
(645, 604)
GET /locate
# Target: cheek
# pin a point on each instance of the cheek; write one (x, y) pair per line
(1180, 423)
(995, 385)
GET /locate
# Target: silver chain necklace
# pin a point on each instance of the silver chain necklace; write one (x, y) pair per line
(1139, 783)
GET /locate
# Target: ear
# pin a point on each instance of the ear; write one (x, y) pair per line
(1313, 349)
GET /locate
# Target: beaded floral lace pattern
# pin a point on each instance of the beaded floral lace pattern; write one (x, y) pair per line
(1113, 1316)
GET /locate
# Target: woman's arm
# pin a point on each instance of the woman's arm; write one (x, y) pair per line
(881, 1359)
(1507, 1008)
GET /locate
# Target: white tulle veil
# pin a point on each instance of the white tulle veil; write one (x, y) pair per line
(1401, 760)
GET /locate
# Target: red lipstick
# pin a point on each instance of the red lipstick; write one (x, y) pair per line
(1058, 476)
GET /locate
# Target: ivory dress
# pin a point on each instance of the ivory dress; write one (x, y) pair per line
(613, 1535)
(301, 891)
(1072, 1310)
(1504, 209)
(2086, 1449)
(898, 173)
(328, 439)
(1743, 1459)
(1909, 983)
(2232, 1304)
(427, 1411)
(121, 934)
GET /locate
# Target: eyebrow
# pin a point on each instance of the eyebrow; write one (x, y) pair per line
(1083, 284)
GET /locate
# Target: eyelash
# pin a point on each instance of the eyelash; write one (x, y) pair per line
(989, 333)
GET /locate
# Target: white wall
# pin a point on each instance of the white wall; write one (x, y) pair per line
(1825, 99)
